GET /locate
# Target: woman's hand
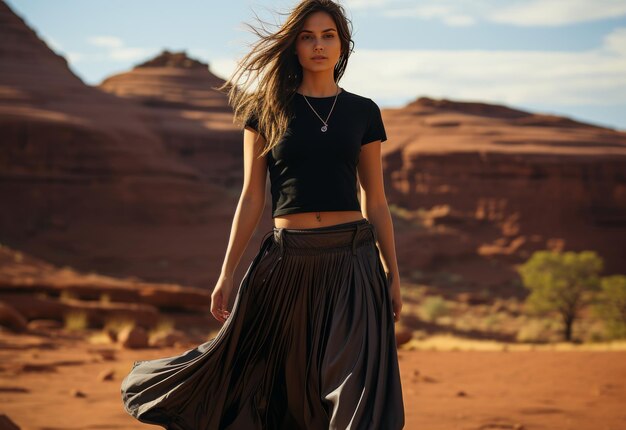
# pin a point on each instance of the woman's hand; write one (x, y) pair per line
(219, 298)
(396, 297)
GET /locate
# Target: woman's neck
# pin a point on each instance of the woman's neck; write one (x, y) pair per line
(322, 90)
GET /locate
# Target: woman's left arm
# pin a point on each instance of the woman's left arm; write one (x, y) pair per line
(375, 208)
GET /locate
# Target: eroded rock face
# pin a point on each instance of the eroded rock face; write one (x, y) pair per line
(133, 337)
(34, 291)
(193, 119)
(139, 176)
(11, 318)
(499, 183)
(90, 178)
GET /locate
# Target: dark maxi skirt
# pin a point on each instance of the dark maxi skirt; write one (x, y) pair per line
(309, 344)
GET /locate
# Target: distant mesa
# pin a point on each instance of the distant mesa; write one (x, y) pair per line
(174, 59)
(472, 108)
(100, 183)
(170, 80)
(427, 105)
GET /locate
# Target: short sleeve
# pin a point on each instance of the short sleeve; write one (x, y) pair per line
(253, 123)
(375, 128)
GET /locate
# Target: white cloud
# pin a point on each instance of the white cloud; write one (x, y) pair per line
(114, 50)
(434, 11)
(514, 12)
(592, 77)
(459, 20)
(222, 67)
(616, 41)
(365, 4)
(106, 41)
(557, 12)
(126, 54)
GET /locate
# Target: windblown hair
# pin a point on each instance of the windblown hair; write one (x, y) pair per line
(273, 63)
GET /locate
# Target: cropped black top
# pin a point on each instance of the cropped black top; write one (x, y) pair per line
(311, 170)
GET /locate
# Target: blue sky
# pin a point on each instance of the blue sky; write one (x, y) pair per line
(566, 57)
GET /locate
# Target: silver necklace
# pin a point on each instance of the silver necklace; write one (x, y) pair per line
(325, 126)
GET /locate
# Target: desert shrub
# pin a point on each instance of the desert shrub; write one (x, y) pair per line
(491, 321)
(163, 325)
(535, 330)
(76, 320)
(434, 307)
(611, 305)
(561, 282)
(116, 323)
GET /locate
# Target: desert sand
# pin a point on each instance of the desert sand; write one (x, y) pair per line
(61, 380)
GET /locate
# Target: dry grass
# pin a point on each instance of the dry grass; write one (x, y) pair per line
(76, 320)
(446, 342)
(162, 326)
(117, 323)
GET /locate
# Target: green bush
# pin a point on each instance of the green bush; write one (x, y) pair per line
(561, 282)
(611, 305)
(434, 307)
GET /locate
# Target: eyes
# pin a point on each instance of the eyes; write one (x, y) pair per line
(304, 37)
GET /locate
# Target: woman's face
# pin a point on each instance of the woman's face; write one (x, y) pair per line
(318, 37)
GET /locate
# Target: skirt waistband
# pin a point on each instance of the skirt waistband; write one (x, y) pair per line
(350, 234)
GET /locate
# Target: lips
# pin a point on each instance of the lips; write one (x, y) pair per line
(319, 57)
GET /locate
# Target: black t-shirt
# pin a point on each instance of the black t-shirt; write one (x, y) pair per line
(311, 170)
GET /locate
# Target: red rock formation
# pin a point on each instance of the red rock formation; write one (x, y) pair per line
(88, 181)
(32, 289)
(187, 112)
(121, 179)
(499, 183)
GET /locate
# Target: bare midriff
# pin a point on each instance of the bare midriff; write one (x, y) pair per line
(316, 219)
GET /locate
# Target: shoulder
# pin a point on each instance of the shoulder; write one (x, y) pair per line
(358, 98)
(365, 104)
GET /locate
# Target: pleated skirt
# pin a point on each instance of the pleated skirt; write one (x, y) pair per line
(309, 344)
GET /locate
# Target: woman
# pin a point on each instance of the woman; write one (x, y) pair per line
(310, 341)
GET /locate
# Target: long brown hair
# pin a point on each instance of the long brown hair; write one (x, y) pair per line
(272, 62)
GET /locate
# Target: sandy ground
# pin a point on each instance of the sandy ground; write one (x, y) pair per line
(528, 390)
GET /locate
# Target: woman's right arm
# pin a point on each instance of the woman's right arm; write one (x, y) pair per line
(246, 218)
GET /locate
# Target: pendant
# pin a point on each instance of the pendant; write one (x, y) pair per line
(324, 128)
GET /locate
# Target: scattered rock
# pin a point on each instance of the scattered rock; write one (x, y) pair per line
(106, 375)
(44, 324)
(105, 354)
(31, 367)
(133, 337)
(7, 424)
(508, 426)
(13, 390)
(418, 377)
(12, 319)
(74, 392)
(111, 334)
